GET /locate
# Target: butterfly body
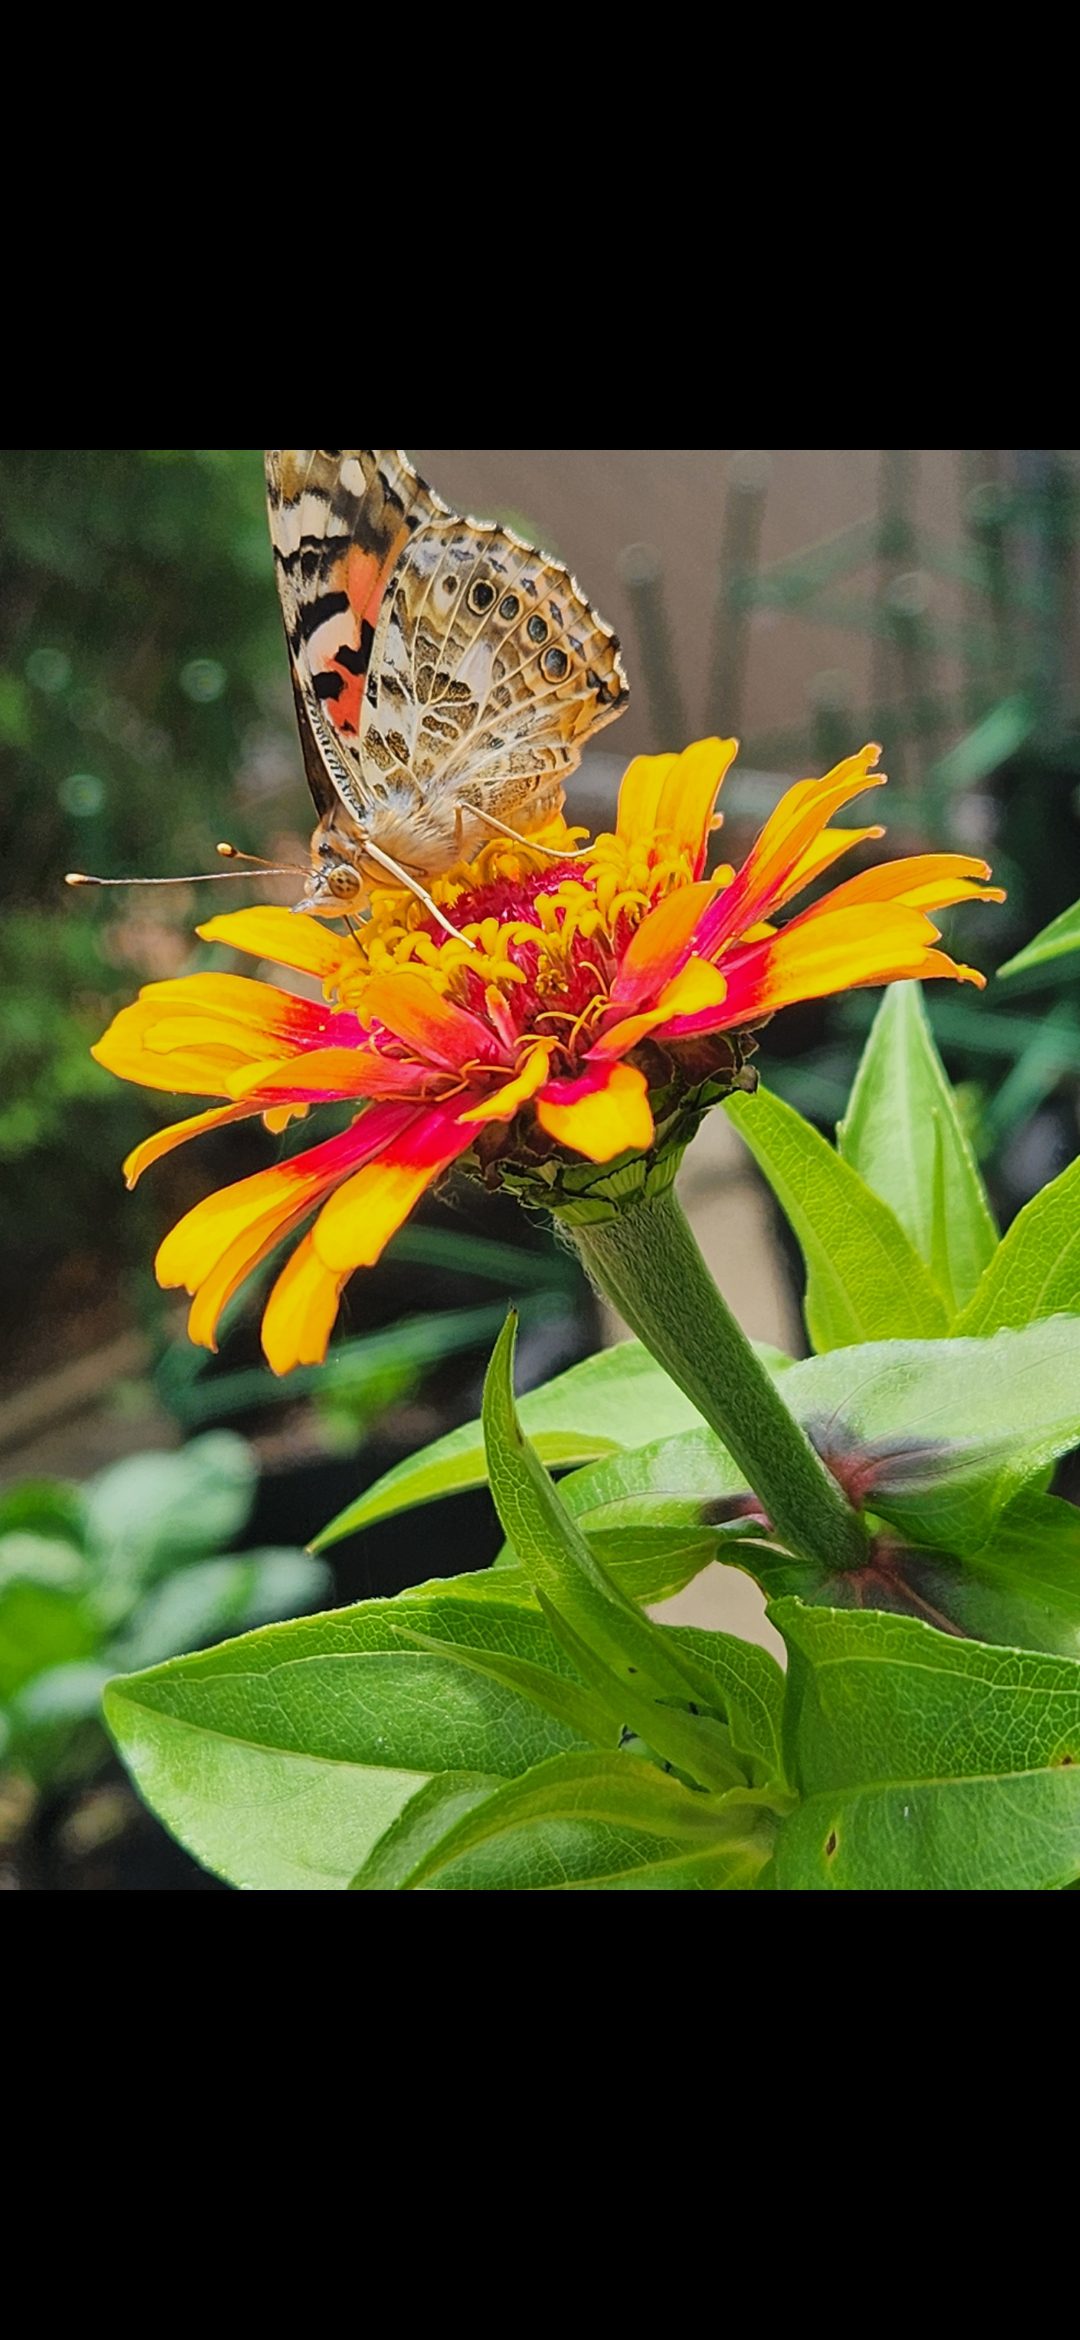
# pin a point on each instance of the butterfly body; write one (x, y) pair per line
(446, 673)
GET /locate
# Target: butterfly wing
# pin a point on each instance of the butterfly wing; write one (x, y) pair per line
(439, 662)
(489, 671)
(340, 521)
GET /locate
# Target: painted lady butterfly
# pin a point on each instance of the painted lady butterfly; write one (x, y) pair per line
(446, 673)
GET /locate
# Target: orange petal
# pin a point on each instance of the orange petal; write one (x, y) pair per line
(286, 937)
(241, 999)
(697, 986)
(689, 792)
(320, 1073)
(820, 856)
(604, 1114)
(238, 1261)
(639, 795)
(870, 943)
(922, 881)
(416, 1013)
(659, 943)
(300, 1312)
(503, 1103)
(123, 1050)
(165, 1141)
(205, 1233)
(791, 829)
(356, 1224)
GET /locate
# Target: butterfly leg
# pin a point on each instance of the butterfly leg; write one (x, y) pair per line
(554, 852)
(375, 853)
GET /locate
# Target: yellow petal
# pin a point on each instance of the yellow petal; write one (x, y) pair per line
(300, 1312)
(503, 1103)
(288, 938)
(639, 795)
(237, 1262)
(923, 881)
(355, 1226)
(164, 1141)
(688, 794)
(611, 1118)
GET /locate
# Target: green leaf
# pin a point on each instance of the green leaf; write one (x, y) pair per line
(281, 1758)
(40, 1559)
(1023, 1585)
(579, 1823)
(603, 1624)
(1035, 1271)
(42, 1507)
(41, 1625)
(903, 1134)
(212, 1598)
(938, 1435)
(925, 1762)
(1063, 934)
(614, 1400)
(587, 1716)
(154, 1509)
(750, 1688)
(865, 1280)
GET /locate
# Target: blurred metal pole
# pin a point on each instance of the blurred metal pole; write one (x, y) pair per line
(740, 543)
(987, 508)
(642, 573)
(1046, 504)
(895, 557)
(980, 494)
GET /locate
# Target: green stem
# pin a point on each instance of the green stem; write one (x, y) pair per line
(647, 1262)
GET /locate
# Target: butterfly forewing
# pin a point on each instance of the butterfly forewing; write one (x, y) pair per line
(443, 667)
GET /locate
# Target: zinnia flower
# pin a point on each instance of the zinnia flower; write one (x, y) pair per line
(566, 1044)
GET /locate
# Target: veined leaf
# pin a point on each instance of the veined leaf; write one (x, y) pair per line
(935, 1436)
(925, 1762)
(865, 1279)
(1062, 935)
(903, 1134)
(279, 1759)
(616, 1399)
(1035, 1271)
(580, 1823)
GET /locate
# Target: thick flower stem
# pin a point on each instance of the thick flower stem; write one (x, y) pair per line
(648, 1264)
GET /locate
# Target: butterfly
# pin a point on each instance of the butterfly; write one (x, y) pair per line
(446, 673)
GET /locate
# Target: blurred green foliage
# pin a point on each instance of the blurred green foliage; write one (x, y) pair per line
(143, 713)
(124, 1571)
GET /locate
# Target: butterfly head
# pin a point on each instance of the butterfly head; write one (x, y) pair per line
(336, 882)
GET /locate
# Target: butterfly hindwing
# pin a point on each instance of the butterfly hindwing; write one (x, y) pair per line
(443, 667)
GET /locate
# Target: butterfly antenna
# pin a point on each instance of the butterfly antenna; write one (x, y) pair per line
(269, 868)
(78, 877)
